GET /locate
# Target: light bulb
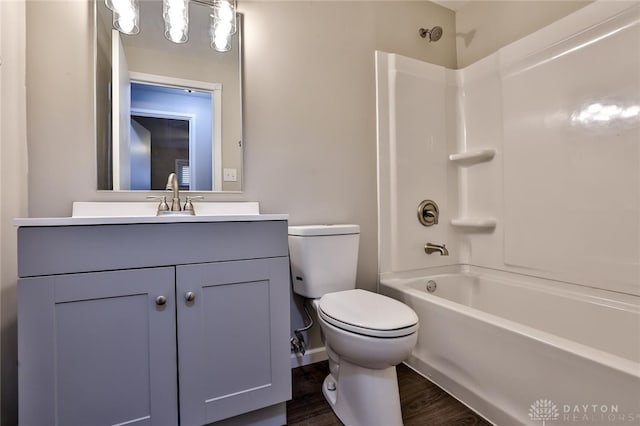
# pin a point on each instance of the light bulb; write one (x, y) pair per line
(176, 20)
(117, 5)
(175, 15)
(584, 116)
(176, 5)
(221, 44)
(225, 13)
(611, 110)
(126, 24)
(175, 34)
(222, 29)
(125, 15)
(594, 108)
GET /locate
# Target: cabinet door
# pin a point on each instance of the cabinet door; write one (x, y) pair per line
(233, 338)
(96, 349)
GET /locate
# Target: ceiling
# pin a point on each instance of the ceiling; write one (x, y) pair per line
(454, 5)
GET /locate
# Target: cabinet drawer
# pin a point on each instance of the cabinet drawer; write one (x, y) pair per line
(69, 249)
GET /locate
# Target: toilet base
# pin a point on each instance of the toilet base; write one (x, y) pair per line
(364, 396)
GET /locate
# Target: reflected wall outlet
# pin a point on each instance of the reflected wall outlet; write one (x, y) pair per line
(230, 175)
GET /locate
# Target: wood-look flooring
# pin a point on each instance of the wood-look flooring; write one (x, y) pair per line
(423, 403)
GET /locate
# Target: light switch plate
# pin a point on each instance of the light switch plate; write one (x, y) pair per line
(230, 175)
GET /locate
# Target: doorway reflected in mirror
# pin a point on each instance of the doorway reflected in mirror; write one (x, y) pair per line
(170, 124)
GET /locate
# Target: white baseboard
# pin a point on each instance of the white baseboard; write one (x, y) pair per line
(311, 356)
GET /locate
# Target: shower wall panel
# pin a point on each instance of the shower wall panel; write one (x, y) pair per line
(571, 157)
(415, 118)
(561, 108)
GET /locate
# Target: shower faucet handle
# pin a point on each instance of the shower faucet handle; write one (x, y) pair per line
(428, 213)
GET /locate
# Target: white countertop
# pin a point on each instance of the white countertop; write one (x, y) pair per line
(119, 220)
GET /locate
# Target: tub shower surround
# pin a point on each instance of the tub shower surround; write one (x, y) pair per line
(532, 154)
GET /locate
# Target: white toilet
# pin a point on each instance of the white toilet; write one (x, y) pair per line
(365, 334)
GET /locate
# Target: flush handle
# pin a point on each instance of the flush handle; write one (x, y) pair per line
(428, 213)
(189, 296)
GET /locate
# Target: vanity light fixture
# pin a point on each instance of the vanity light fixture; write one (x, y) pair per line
(176, 19)
(125, 15)
(223, 25)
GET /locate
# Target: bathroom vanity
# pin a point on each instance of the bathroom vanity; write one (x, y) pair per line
(153, 320)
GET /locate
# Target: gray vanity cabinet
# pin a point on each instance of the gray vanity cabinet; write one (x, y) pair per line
(115, 326)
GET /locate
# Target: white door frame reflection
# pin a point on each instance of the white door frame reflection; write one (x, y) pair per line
(207, 176)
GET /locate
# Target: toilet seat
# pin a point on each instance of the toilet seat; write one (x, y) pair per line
(367, 313)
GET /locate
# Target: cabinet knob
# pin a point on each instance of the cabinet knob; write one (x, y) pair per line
(189, 296)
(161, 300)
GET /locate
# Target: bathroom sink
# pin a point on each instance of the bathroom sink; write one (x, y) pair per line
(127, 213)
(90, 209)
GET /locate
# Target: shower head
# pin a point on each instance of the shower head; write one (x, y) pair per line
(434, 33)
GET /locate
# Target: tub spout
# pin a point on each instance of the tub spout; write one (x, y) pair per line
(430, 248)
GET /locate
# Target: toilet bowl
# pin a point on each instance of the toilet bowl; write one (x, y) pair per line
(365, 334)
(364, 345)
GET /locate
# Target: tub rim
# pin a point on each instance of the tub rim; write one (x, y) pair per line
(607, 359)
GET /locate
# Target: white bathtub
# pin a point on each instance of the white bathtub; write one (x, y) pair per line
(506, 345)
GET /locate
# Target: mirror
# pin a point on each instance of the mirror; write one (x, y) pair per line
(163, 107)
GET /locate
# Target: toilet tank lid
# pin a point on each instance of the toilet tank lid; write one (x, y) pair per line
(315, 230)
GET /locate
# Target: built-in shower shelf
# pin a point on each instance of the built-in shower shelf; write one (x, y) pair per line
(474, 223)
(469, 158)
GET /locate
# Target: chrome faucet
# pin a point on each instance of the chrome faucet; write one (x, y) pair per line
(172, 185)
(433, 248)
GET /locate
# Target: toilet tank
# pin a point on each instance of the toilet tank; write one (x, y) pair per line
(324, 258)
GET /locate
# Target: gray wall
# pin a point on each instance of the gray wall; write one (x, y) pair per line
(13, 190)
